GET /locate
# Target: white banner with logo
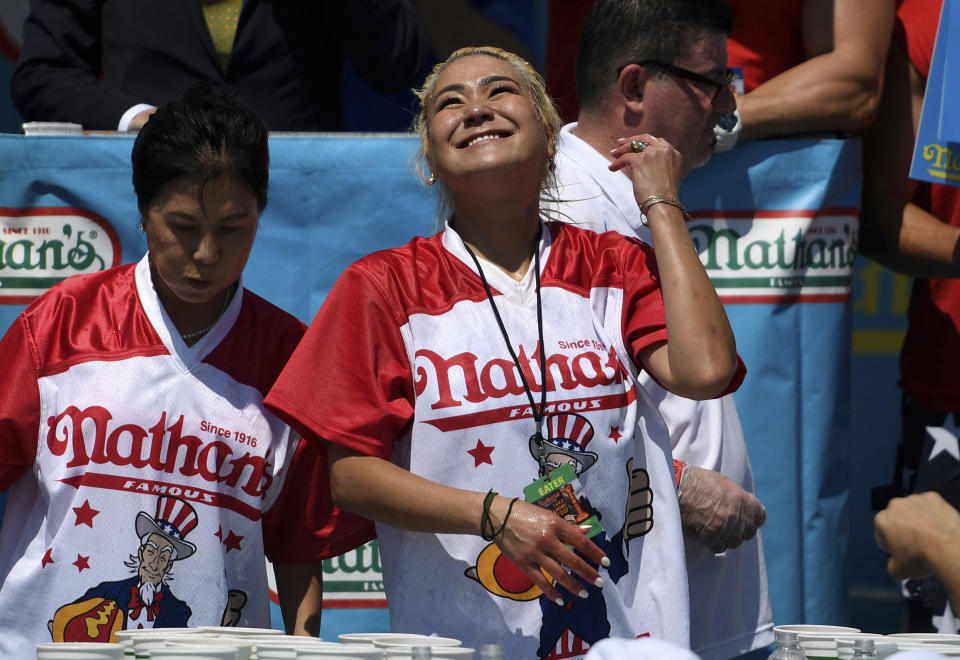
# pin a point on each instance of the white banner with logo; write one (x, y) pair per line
(775, 221)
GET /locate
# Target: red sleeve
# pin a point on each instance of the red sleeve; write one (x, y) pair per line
(915, 29)
(19, 403)
(643, 317)
(643, 320)
(321, 530)
(349, 380)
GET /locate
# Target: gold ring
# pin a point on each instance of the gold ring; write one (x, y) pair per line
(637, 146)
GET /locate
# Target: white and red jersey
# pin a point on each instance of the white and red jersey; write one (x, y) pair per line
(405, 361)
(730, 611)
(113, 430)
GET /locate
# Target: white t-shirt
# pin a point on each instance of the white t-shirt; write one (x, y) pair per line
(115, 431)
(729, 603)
(417, 372)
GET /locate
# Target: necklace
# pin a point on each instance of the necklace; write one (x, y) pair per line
(537, 436)
(187, 336)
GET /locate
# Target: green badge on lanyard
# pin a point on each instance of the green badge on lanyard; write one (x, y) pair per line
(561, 492)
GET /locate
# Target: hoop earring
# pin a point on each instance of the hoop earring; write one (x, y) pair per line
(432, 179)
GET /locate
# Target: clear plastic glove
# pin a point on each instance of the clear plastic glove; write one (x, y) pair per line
(721, 513)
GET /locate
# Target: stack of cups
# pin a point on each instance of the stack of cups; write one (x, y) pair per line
(942, 643)
(79, 651)
(400, 648)
(340, 652)
(284, 647)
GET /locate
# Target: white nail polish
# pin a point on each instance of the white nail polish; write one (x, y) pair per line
(605, 562)
(598, 582)
(583, 593)
(559, 602)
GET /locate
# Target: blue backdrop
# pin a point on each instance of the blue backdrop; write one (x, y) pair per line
(776, 221)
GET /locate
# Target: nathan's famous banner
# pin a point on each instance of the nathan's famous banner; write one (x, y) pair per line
(936, 156)
(775, 222)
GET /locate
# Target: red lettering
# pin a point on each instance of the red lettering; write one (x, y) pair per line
(72, 433)
(134, 458)
(499, 377)
(441, 369)
(168, 451)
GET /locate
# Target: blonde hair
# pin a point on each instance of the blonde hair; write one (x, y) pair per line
(546, 115)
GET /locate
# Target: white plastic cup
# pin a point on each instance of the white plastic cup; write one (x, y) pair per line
(79, 651)
(440, 652)
(195, 652)
(243, 650)
(285, 646)
(343, 652)
(371, 637)
(418, 640)
(234, 631)
(815, 628)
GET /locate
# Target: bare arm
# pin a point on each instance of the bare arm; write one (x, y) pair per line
(700, 356)
(300, 591)
(535, 539)
(838, 87)
(921, 533)
(893, 231)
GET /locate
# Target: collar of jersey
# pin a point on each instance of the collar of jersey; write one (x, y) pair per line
(519, 293)
(188, 357)
(588, 175)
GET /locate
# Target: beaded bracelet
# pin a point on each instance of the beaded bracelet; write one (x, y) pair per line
(658, 199)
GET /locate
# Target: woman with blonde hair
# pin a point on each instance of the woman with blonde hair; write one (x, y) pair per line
(465, 376)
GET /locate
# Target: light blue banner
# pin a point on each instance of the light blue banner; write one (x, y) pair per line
(936, 156)
(776, 222)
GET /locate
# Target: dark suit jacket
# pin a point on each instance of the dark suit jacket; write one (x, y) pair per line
(89, 61)
(174, 613)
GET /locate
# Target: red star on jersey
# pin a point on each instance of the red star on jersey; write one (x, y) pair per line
(481, 454)
(615, 434)
(233, 541)
(219, 533)
(82, 563)
(84, 514)
(47, 558)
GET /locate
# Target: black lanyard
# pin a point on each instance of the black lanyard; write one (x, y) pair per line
(537, 414)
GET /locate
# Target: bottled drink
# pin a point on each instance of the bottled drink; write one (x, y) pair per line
(788, 647)
(491, 652)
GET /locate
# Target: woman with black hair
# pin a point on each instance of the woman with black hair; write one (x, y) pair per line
(145, 478)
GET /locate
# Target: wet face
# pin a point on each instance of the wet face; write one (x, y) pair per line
(199, 246)
(155, 559)
(483, 121)
(684, 112)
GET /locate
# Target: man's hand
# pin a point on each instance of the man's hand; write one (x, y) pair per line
(915, 530)
(717, 510)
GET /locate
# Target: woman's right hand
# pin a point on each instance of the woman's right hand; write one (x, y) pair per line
(656, 170)
(537, 540)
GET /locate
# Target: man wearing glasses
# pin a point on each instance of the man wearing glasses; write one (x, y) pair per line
(653, 71)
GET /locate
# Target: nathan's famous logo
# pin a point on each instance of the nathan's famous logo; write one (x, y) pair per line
(354, 579)
(943, 162)
(777, 256)
(42, 246)
(92, 436)
(460, 378)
